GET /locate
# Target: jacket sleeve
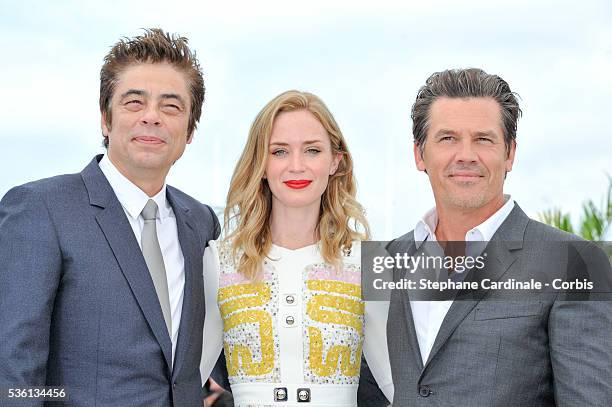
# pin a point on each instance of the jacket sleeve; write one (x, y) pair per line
(30, 272)
(212, 339)
(579, 336)
(375, 350)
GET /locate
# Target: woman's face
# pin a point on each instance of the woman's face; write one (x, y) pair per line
(300, 160)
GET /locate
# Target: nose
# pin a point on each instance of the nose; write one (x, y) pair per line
(150, 116)
(296, 163)
(466, 152)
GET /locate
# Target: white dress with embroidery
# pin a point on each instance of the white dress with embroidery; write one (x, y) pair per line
(297, 335)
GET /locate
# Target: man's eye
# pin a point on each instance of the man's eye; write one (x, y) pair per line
(485, 139)
(447, 138)
(172, 107)
(134, 105)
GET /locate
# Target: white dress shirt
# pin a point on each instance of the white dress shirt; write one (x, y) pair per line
(133, 201)
(428, 315)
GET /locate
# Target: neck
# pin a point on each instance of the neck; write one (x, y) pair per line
(148, 180)
(454, 223)
(294, 228)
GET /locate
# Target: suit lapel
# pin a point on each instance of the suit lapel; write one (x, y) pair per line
(499, 260)
(410, 248)
(190, 243)
(502, 251)
(120, 236)
(412, 336)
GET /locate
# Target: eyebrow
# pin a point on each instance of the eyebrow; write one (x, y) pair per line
(173, 96)
(306, 142)
(130, 92)
(140, 92)
(488, 133)
(445, 131)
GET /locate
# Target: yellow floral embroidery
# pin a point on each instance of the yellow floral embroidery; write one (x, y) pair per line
(236, 303)
(336, 353)
(340, 304)
(339, 287)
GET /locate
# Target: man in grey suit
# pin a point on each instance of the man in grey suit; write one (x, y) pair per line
(101, 289)
(473, 350)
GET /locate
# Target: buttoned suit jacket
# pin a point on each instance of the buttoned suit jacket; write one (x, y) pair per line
(528, 352)
(78, 307)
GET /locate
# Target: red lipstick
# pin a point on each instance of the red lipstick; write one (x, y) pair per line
(298, 183)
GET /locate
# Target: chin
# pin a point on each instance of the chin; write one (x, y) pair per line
(469, 202)
(295, 202)
(151, 161)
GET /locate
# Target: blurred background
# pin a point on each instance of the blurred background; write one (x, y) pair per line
(366, 60)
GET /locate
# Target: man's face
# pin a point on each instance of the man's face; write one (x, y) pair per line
(464, 154)
(150, 115)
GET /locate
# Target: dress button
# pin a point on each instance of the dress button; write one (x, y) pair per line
(303, 395)
(280, 394)
(424, 391)
(289, 320)
(290, 299)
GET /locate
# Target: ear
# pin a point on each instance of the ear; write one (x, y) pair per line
(510, 158)
(104, 124)
(190, 137)
(418, 158)
(335, 163)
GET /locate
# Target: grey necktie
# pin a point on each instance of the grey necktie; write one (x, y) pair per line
(155, 262)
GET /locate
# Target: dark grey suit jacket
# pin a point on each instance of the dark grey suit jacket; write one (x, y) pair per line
(77, 304)
(542, 352)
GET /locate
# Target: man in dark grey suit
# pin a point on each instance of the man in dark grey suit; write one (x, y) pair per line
(471, 350)
(101, 289)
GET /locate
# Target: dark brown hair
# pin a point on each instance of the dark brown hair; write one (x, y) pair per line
(154, 46)
(465, 83)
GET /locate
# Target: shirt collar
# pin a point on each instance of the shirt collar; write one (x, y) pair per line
(426, 226)
(132, 198)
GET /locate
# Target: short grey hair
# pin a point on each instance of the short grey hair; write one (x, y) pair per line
(465, 83)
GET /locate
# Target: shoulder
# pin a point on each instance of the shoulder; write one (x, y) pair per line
(538, 231)
(33, 210)
(401, 243)
(224, 251)
(189, 202)
(203, 214)
(58, 184)
(48, 190)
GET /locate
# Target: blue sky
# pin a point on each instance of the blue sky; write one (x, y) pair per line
(366, 60)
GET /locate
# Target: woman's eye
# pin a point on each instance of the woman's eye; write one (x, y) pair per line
(313, 151)
(279, 153)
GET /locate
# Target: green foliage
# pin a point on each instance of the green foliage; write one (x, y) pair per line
(594, 223)
(554, 217)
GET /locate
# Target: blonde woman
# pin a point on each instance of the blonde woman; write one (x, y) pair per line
(283, 295)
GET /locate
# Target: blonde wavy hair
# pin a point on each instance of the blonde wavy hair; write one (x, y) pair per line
(249, 199)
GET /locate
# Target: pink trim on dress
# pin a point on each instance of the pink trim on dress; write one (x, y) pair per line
(328, 273)
(227, 279)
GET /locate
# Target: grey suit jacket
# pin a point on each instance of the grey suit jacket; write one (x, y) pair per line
(77, 304)
(537, 352)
